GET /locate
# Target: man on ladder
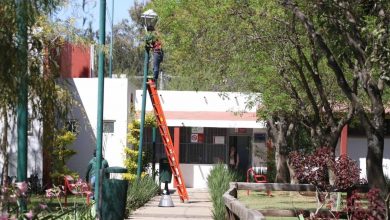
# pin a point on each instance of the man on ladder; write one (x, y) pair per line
(153, 41)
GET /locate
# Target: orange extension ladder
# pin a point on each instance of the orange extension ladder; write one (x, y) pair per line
(167, 140)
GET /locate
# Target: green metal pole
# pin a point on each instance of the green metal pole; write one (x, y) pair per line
(112, 39)
(142, 125)
(99, 132)
(154, 152)
(22, 118)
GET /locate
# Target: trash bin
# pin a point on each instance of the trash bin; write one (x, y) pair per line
(114, 194)
(165, 171)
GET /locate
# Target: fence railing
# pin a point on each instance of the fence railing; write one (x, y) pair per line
(236, 210)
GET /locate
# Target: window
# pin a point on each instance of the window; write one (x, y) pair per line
(72, 126)
(108, 126)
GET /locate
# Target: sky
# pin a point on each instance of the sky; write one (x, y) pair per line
(74, 10)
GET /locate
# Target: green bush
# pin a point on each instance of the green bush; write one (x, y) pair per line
(218, 183)
(140, 192)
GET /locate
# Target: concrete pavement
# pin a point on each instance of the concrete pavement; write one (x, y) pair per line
(199, 207)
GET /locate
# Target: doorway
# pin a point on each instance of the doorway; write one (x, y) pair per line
(243, 146)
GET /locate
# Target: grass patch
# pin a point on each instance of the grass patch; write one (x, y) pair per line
(44, 208)
(259, 200)
(278, 200)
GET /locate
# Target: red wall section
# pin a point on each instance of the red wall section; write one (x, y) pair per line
(74, 61)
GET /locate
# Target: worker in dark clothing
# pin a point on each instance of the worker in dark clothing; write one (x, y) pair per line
(154, 43)
(91, 170)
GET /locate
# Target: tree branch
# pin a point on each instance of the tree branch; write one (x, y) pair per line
(332, 62)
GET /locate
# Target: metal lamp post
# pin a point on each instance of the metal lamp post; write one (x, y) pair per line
(150, 19)
(22, 114)
(99, 130)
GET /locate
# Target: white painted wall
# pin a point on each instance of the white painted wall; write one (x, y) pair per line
(357, 150)
(117, 93)
(34, 151)
(194, 175)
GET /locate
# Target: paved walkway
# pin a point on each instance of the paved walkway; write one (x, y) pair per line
(199, 207)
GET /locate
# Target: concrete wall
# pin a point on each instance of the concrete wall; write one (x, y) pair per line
(34, 151)
(194, 175)
(357, 150)
(117, 93)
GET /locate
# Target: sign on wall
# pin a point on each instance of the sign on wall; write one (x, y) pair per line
(197, 130)
(219, 139)
(197, 138)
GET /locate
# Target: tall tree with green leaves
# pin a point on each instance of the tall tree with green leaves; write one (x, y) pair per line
(254, 47)
(354, 37)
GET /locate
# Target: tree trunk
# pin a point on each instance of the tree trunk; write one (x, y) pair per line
(374, 168)
(278, 133)
(283, 172)
(47, 145)
(293, 178)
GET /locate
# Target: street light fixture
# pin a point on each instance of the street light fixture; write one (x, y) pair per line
(150, 19)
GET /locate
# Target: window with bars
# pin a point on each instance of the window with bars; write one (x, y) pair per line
(199, 153)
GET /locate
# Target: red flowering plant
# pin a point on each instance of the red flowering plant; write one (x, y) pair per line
(322, 170)
(373, 209)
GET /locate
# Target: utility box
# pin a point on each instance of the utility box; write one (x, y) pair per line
(165, 171)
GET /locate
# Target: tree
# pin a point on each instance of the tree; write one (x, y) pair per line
(127, 50)
(254, 47)
(354, 38)
(128, 45)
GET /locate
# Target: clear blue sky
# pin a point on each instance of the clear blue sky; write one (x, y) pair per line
(74, 9)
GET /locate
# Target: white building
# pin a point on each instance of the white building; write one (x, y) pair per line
(206, 124)
(203, 126)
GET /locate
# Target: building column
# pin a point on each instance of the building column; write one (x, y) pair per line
(344, 141)
(176, 147)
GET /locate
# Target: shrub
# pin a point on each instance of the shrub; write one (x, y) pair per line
(316, 168)
(140, 192)
(358, 209)
(218, 183)
(323, 171)
(131, 161)
(62, 153)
